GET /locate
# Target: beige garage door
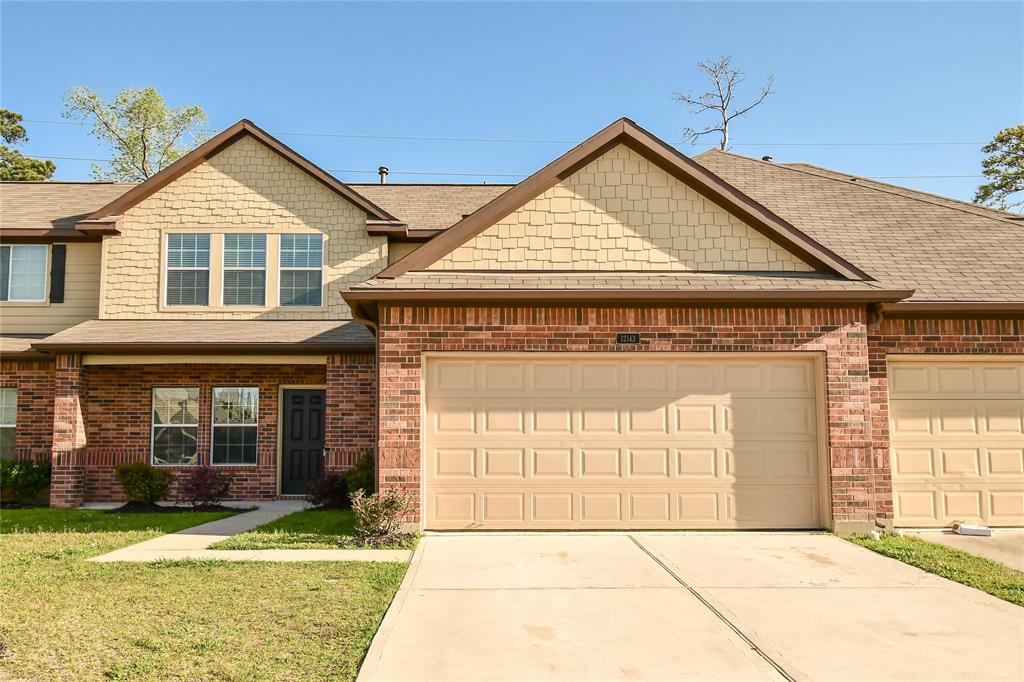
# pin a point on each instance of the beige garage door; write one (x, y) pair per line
(621, 442)
(957, 430)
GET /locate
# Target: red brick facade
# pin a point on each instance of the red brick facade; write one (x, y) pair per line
(925, 337)
(405, 332)
(115, 424)
(33, 377)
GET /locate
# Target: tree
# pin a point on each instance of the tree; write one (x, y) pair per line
(1004, 168)
(144, 133)
(719, 99)
(13, 165)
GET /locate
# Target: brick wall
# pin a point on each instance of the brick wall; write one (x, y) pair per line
(34, 380)
(925, 337)
(406, 332)
(351, 409)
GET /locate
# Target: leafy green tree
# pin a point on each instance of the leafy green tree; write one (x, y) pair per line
(144, 134)
(14, 165)
(1004, 169)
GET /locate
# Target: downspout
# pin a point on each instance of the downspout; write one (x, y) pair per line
(876, 315)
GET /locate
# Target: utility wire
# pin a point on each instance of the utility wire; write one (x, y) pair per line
(681, 143)
(371, 171)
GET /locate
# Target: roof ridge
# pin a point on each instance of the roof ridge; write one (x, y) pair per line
(822, 172)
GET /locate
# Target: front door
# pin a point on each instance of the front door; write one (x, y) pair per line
(302, 440)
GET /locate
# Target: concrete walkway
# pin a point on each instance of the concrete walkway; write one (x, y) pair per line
(193, 543)
(684, 606)
(1004, 546)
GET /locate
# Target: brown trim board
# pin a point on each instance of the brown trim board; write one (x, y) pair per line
(218, 143)
(625, 131)
(242, 348)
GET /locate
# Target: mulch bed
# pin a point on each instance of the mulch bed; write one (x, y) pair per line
(140, 508)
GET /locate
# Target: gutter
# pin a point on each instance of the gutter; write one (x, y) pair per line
(242, 348)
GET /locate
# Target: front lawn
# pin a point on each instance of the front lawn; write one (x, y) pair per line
(44, 520)
(65, 618)
(968, 569)
(310, 529)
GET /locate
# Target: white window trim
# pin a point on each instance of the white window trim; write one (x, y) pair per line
(13, 425)
(281, 269)
(214, 425)
(153, 425)
(46, 273)
(166, 269)
(224, 269)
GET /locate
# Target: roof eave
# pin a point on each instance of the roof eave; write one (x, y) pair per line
(240, 348)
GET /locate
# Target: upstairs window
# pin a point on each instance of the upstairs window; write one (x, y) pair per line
(188, 269)
(302, 258)
(23, 272)
(235, 416)
(176, 425)
(245, 269)
(8, 421)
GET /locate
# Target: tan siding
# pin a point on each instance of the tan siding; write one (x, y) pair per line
(245, 186)
(621, 212)
(81, 297)
(400, 250)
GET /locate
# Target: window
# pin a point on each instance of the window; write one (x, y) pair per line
(245, 262)
(188, 269)
(8, 420)
(234, 425)
(176, 425)
(302, 257)
(23, 272)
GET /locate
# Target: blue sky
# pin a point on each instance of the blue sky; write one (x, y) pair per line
(845, 72)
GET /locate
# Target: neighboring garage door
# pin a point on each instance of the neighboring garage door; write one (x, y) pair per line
(957, 430)
(631, 441)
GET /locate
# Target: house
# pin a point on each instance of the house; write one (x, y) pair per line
(629, 338)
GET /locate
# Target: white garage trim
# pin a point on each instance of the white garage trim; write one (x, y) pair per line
(616, 497)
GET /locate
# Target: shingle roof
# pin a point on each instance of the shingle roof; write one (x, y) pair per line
(198, 335)
(53, 205)
(430, 207)
(946, 250)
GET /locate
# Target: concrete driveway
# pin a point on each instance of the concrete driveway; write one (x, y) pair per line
(676, 606)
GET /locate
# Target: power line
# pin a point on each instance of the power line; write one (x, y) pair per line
(373, 171)
(503, 140)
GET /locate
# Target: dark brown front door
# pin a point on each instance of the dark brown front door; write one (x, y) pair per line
(302, 456)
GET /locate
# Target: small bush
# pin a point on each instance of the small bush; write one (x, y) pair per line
(379, 516)
(362, 476)
(204, 486)
(330, 492)
(24, 479)
(143, 483)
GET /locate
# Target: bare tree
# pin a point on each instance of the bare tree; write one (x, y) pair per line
(719, 99)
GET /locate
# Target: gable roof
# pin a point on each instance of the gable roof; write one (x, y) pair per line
(946, 250)
(216, 144)
(429, 208)
(626, 132)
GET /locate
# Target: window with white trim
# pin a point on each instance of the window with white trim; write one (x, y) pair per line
(176, 425)
(301, 269)
(235, 416)
(8, 421)
(245, 269)
(23, 272)
(188, 269)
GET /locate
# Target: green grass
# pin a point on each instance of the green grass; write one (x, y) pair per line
(310, 529)
(68, 619)
(962, 567)
(43, 520)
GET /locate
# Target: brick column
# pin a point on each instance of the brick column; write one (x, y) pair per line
(67, 486)
(351, 409)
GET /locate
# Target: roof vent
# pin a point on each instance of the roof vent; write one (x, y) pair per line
(766, 158)
(383, 170)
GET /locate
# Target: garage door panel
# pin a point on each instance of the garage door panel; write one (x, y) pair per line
(957, 431)
(618, 444)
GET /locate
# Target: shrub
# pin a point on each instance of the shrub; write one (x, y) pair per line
(204, 486)
(143, 483)
(24, 479)
(379, 516)
(362, 476)
(330, 492)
